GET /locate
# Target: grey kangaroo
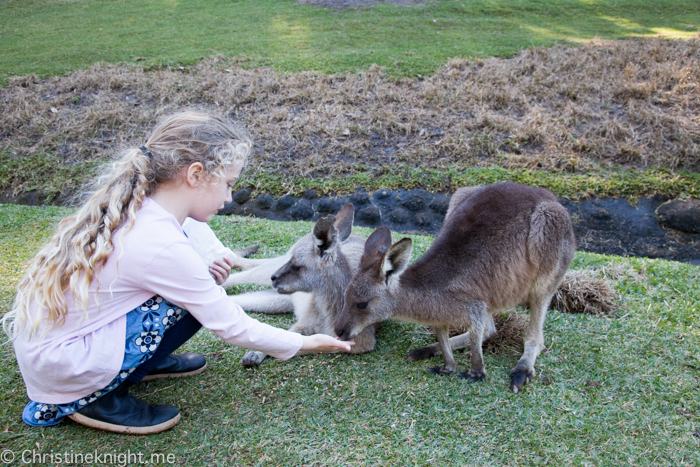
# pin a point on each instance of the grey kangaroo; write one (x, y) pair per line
(501, 245)
(319, 265)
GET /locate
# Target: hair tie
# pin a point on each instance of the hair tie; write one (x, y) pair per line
(145, 150)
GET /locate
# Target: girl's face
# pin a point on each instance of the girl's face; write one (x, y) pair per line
(212, 195)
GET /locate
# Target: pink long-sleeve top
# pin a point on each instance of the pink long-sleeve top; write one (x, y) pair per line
(153, 258)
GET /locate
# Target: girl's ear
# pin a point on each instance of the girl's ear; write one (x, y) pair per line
(195, 174)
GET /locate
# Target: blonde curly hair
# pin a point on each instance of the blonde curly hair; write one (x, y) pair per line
(83, 241)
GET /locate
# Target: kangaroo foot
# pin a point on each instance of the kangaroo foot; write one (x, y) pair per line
(421, 354)
(440, 370)
(252, 359)
(519, 377)
(472, 376)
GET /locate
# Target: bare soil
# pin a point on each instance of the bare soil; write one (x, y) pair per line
(566, 109)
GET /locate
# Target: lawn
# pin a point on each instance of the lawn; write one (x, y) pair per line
(621, 390)
(52, 38)
(465, 92)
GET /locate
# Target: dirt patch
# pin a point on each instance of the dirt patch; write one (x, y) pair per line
(559, 109)
(357, 3)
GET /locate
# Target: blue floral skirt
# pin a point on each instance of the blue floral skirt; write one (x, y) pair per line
(145, 327)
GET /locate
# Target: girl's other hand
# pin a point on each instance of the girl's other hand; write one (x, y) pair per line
(221, 269)
(324, 343)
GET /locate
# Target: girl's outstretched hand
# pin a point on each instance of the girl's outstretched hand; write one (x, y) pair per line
(221, 269)
(324, 343)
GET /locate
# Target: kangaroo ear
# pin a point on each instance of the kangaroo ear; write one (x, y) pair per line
(375, 247)
(344, 220)
(396, 259)
(325, 234)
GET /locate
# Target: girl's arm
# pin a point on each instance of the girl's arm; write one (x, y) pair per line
(324, 343)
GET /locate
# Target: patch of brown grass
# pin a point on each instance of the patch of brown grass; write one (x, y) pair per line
(581, 292)
(633, 102)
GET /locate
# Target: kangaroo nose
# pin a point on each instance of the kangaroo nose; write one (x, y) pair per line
(341, 333)
(273, 278)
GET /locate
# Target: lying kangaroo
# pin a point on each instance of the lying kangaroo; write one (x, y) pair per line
(320, 264)
(501, 245)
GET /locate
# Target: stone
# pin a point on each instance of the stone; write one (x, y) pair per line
(382, 194)
(327, 206)
(243, 195)
(416, 200)
(683, 215)
(360, 198)
(423, 219)
(369, 216)
(285, 202)
(302, 210)
(264, 201)
(440, 204)
(399, 216)
(229, 209)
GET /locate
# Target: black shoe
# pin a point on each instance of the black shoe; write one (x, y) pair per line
(178, 366)
(119, 412)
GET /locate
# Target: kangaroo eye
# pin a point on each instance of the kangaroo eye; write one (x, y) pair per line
(294, 267)
(362, 305)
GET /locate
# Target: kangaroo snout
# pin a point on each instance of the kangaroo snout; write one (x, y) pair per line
(343, 333)
(278, 279)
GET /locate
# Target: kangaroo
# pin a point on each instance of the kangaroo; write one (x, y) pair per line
(501, 245)
(320, 265)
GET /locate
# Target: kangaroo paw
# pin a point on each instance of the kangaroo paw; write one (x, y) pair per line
(472, 376)
(519, 377)
(440, 370)
(252, 359)
(421, 354)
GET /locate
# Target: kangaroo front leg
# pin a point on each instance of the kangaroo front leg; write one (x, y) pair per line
(257, 271)
(443, 335)
(524, 371)
(481, 329)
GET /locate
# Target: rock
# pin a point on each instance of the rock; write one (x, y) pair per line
(327, 206)
(399, 216)
(285, 202)
(382, 194)
(241, 196)
(229, 209)
(440, 204)
(302, 211)
(683, 215)
(369, 216)
(416, 200)
(360, 198)
(264, 201)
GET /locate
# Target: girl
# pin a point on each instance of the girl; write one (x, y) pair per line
(119, 286)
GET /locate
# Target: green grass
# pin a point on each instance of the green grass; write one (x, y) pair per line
(612, 182)
(617, 391)
(55, 37)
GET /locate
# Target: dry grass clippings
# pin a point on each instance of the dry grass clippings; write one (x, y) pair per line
(581, 292)
(632, 102)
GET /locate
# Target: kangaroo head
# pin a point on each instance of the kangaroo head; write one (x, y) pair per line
(315, 255)
(369, 296)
